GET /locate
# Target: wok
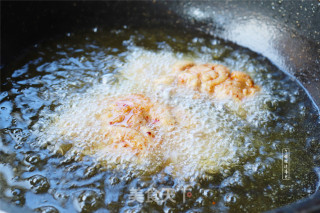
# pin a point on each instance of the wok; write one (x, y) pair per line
(286, 32)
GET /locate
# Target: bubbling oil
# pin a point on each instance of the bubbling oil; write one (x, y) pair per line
(228, 153)
(201, 142)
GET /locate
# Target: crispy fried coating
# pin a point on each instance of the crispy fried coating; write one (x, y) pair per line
(131, 122)
(213, 79)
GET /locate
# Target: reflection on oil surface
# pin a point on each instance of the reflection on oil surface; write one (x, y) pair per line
(225, 155)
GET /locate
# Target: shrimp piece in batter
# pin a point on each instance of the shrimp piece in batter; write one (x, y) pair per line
(131, 122)
(238, 86)
(213, 79)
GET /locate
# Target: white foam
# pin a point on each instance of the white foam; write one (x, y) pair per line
(207, 140)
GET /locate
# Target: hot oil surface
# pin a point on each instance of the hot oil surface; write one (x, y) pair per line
(239, 167)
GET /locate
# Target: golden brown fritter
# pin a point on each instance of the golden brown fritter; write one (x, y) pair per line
(239, 85)
(214, 79)
(131, 122)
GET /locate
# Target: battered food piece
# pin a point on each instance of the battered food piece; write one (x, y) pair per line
(239, 85)
(131, 122)
(214, 79)
(120, 129)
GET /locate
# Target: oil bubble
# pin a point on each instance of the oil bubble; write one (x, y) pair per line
(39, 183)
(46, 209)
(88, 201)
